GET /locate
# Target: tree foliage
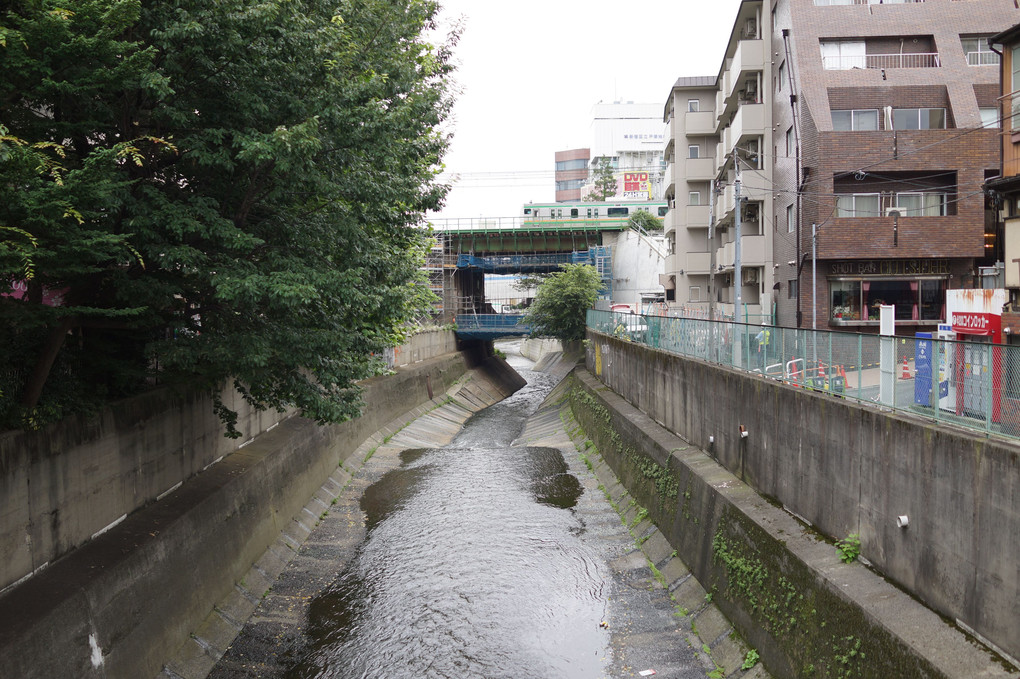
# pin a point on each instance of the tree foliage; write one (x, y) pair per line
(562, 301)
(604, 180)
(644, 221)
(215, 191)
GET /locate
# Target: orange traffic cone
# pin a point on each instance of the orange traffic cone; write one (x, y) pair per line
(794, 371)
(906, 370)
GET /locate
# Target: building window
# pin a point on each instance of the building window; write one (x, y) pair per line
(791, 289)
(843, 54)
(695, 294)
(578, 164)
(921, 204)
(693, 105)
(858, 205)
(855, 119)
(978, 52)
(693, 151)
(791, 223)
(694, 198)
(789, 142)
(781, 76)
(919, 118)
(989, 116)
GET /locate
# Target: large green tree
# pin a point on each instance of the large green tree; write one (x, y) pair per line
(214, 191)
(562, 301)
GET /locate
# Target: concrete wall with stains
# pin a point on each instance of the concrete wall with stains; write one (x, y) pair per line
(846, 469)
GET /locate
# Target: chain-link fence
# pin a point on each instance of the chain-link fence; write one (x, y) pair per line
(973, 384)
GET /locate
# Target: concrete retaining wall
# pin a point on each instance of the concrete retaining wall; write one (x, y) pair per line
(536, 348)
(128, 598)
(423, 346)
(61, 485)
(851, 469)
(786, 591)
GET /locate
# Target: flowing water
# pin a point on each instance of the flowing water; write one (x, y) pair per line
(474, 565)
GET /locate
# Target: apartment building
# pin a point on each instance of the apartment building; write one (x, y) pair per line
(717, 129)
(878, 128)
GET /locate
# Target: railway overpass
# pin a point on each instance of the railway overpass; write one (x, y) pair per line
(468, 249)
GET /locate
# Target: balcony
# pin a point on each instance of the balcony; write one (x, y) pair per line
(752, 188)
(752, 253)
(699, 123)
(698, 263)
(698, 216)
(748, 58)
(699, 169)
(749, 122)
(669, 224)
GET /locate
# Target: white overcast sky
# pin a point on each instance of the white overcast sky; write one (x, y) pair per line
(530, 71)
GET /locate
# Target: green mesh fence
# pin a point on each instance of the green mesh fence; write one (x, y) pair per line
(971, 384)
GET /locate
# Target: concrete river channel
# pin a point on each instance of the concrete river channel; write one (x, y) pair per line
(493, 554)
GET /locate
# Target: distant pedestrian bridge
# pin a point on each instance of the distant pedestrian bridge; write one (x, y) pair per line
(491, 326)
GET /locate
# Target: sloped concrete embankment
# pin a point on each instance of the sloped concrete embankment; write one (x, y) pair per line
(120, 605)
(789, 595)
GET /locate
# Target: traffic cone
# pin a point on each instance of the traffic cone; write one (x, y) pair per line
(906, 370)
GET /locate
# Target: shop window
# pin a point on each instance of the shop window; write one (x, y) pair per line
(914, 300)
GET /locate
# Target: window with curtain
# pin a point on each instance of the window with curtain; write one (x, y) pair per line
(842, 55)
(855, 119)
(858, 205)
(921, 204)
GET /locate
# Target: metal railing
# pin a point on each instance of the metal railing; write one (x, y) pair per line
(971, 384)
(910, 60)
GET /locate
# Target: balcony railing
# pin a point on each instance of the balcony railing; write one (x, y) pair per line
(910, 60)
(982, 59)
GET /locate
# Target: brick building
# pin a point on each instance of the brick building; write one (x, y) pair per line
(880, 130)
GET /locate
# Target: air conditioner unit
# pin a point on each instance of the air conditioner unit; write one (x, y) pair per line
(751, 86)
(749, 276)
(894, 212)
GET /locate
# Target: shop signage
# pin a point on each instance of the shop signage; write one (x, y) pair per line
(891, 267)
(973, 323)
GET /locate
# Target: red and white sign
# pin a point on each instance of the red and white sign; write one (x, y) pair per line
(970, 323)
